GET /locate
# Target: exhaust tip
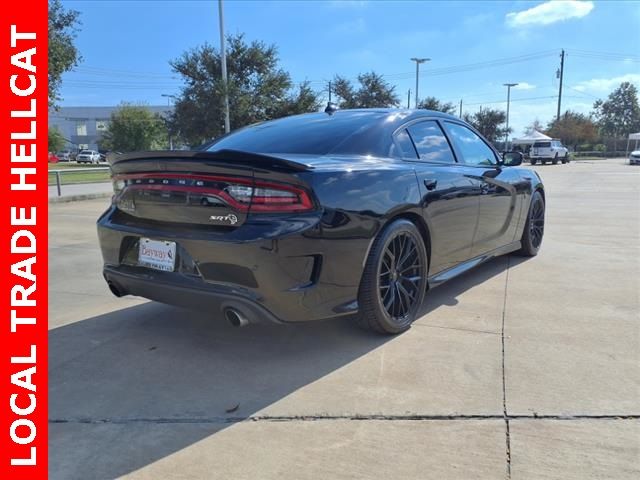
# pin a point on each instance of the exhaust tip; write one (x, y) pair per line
(114, 289)
(235, 318)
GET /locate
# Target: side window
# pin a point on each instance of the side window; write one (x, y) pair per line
(431, 143)
(473, 149)
(402, 146)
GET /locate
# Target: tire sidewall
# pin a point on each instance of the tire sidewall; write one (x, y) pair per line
(374, 264)
(527, 245)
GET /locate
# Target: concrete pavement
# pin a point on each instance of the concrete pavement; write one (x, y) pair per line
(521, 369)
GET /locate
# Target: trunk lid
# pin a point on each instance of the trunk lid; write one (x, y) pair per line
(218, 189)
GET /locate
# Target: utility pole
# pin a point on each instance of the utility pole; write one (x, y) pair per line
(409, 98)
(418, 62)
(506, 135)
(169, 97)
(460, 114)
(223, 58)
(561, 74)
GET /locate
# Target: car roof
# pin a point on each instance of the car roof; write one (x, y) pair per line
(352, 131)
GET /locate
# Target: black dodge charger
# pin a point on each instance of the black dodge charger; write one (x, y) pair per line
(317, 216)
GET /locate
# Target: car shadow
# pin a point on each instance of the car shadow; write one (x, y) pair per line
(133, 386)
(447, 293)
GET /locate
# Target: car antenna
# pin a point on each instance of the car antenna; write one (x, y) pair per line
(331, 108)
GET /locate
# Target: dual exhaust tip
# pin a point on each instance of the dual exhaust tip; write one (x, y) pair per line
(234, 316)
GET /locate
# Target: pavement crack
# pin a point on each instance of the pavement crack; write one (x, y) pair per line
(313, 418)
(504, 383)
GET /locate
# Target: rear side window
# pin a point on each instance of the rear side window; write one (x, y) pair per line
(403, 146)
(473, 149)
(542, 144)
(431, 143)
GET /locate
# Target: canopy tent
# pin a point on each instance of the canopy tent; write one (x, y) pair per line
(530, 139)
(633, 136)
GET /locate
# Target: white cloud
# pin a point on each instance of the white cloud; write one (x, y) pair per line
(550, 12)
(524, 86)
(606, 85)
(357, 25)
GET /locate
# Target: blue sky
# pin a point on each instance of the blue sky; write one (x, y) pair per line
(475, 47)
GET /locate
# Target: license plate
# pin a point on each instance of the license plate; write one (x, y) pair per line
(157, 254)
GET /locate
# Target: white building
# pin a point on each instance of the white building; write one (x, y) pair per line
(82, 127)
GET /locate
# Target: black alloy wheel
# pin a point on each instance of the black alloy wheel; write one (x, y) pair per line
(394, 279)
(534, 228)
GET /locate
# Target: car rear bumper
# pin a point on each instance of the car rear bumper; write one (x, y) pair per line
(181, 291)
(282, 276)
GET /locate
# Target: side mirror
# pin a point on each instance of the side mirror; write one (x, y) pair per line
(511, 159)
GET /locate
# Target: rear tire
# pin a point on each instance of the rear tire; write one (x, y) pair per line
(394, 280)
(534, 228)
(555, 160)
(533, 161)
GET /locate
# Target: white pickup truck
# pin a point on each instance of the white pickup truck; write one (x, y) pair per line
(548, 151)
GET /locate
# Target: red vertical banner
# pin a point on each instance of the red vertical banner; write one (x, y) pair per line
(23, 244)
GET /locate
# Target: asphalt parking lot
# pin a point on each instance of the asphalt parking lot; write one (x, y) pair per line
(523, 369)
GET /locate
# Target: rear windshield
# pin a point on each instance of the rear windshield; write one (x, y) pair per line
(318, 134)
(542, 144)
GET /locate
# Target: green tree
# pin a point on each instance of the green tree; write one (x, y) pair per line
(432, 103)
(63, 54)
(373, 92)
(619, 114)
(258, 89)
(304, 100)
(56, 140)
(134, 128)
(490, 123)
(573, 128)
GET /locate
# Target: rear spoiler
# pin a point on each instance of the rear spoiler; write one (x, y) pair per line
(233, 157)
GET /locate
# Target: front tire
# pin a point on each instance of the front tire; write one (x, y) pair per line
(533, 161)
(534, 228)
(555, 160)
(394, 279)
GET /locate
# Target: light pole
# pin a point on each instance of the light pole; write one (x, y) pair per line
(223, 58)
(169, 97)
(418, 62)
(506, 136)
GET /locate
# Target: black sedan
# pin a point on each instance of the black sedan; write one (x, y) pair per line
(317, 216)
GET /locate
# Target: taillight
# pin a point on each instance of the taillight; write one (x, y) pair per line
(240, 193)
(268, 197)
(118, 185)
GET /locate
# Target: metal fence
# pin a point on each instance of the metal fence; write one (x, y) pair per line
(70, 171)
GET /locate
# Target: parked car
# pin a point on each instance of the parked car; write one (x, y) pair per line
(318, 215)
(548, 151)
(634, 157)
(64, 155)
(88, 156)
(53, 158)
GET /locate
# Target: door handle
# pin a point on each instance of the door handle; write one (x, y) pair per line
(430, 184)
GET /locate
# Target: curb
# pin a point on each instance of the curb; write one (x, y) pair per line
(77, 198)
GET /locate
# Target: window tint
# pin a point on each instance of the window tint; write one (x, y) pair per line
(403, 146)
(320, 134)
(542, 144)
(431, 143)
(473, 149)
